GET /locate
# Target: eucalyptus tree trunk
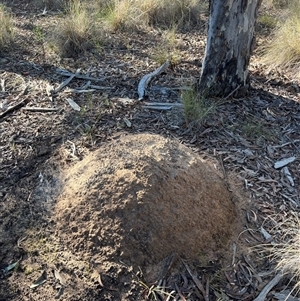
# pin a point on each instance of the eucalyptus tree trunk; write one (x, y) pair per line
(229, 45)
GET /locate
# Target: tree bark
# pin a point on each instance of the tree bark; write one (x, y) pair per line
(229, 46)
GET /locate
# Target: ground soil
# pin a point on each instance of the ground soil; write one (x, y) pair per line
(122, 202)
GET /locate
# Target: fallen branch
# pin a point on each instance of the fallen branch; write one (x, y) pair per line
(147, 78)
(263, 294)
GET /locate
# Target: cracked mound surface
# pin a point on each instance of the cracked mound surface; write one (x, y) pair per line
(142, 197)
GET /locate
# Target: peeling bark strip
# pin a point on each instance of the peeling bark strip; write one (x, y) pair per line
(229, 46)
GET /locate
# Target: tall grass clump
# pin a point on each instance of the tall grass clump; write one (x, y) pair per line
(77, 32)
(6, 28)
(183, 13)
(120, 15)
(167, 48)
(284, 49)
(164, 13)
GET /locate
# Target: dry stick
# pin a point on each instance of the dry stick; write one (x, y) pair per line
(160, 106)
(100, 87)
(66, 82)
(81, 91)
(93, 89)
(232, 92)
(207, 287)
(85, 86)
(179, 293)
(197, 282)
(79, 76)
(2, 85)
(15, 107)
(174, 104)
(39, 109)
(263, 294)
(147, 78)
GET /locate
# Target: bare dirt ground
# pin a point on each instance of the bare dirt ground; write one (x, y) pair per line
(72, 242)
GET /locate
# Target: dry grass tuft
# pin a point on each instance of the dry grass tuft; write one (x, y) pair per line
(167, 49)
(120, 15)
(6, 28)
(284, 50)
(183, 13)
(77, 32)
(287, 254)
(164, 13)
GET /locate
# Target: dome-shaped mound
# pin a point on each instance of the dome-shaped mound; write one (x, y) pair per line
(142, 197)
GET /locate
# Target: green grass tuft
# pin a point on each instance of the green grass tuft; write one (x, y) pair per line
(196, 107)
(267, 21)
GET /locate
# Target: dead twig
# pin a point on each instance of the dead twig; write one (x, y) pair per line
(79, 76)
(179, 293)
(147, 78)
(197, 282)
(232, 92)
(263, 294)
(15, 107)
(160, 106)
(66, 82)
(40, 109)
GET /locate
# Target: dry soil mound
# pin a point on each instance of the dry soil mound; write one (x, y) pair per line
(141, 198)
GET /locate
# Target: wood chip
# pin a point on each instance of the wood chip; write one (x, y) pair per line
(127, 122)
(287, 173)
(284, 162)
(73, 104)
